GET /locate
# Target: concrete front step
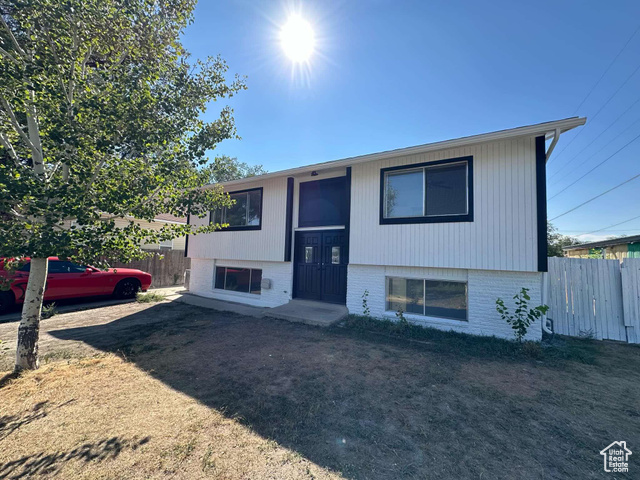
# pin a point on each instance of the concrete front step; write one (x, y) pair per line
(309, 312)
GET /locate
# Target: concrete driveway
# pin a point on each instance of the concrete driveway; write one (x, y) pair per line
(77, 304)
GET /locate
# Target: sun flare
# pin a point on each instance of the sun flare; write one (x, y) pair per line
(297, 39)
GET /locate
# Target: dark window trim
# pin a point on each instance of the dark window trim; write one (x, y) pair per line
(248, 227)
(347, 226)
(541, 203)
(434, 219)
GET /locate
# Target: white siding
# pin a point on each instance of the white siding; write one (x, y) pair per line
(266, 244)
(501, 237)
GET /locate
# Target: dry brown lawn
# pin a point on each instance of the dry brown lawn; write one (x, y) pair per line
(103, 418)
(174, 391)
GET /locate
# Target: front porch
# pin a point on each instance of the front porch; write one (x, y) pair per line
(309, 312)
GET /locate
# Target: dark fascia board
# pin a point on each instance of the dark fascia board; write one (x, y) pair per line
(288, 228)
(441, 218)
(248, 228)
(186, 240)
(541, 203)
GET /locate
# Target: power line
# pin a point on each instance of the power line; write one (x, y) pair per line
(607, 69)
(597, 196)
(611, 226)
(584, 175)
(601, 108)
(603, 147)
(596, 138)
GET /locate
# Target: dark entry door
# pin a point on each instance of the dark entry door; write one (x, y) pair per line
(321, 266)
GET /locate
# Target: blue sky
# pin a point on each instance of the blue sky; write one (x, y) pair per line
(390, 74)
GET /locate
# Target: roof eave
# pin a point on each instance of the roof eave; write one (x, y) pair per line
(547, 128)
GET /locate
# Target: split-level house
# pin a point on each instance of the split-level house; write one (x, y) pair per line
(437, 231)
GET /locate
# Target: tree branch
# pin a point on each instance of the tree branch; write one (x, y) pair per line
(6, 143)
(9, 56)
(34, 136)
(13, 38)
(14, 122)
(57, 62)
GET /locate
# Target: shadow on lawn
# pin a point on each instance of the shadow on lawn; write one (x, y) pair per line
(366, 406)
(11, 423)
(51, 463)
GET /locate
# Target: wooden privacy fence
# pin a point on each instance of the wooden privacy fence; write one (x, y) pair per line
(595, 297)
(166, 271)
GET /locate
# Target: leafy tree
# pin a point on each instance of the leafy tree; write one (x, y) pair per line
(556, 241)
(100, 119)
(225, 168)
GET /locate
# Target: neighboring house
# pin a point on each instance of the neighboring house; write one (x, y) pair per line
(614, 249)
(439, 231)
(158, 222)
(175, 244)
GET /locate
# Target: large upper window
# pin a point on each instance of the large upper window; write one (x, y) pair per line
(323, 202)
(431, 192)
(246, 280)
(244, 214)
(431, 298)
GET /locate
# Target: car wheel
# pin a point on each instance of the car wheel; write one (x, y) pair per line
(127, 288)
(7, 300)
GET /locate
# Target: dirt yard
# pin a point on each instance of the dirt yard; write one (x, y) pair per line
(171, 390)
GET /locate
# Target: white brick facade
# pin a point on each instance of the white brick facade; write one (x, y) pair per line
(484, 287)
(202, 280)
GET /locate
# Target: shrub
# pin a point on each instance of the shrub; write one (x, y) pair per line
(403, 323)
(365, 304)
(523, 315)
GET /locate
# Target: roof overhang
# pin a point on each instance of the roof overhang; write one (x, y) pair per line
(548, 129)
(605, 243)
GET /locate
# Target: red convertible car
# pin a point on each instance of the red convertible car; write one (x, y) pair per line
(69, 280)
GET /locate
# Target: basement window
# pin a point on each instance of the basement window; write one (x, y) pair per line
(430, 298)
(245, 280)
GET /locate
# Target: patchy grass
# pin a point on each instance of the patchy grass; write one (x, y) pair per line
(204, 394)
(552, 351)
(149, 297)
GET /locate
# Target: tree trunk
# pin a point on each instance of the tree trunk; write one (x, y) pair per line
(29, 329)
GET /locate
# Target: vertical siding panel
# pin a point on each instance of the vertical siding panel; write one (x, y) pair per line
(483, 259)
(266, 244)
(500, 237)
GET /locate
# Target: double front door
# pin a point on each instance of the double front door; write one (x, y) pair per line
(321, 265)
